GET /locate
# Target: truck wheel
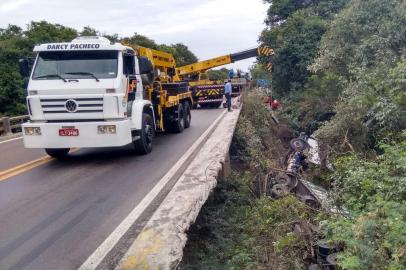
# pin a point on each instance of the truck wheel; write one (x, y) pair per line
(143, 145)
(58, 153)
(216, 105)
(187, 114)
(178, 125)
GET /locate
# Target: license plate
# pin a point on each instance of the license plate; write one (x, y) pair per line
(69, 132)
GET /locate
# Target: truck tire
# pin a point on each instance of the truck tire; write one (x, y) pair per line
(204, 105)
(216, 105)
(143, 145)
(58, 153)
(178, 125)
(187, 114)
(194, 106)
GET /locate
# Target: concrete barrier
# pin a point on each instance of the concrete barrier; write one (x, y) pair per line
(10, 124)
(161, 242)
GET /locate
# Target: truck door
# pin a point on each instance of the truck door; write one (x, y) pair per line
(129, 72)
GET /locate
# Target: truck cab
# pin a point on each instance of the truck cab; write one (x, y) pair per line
(90, 93)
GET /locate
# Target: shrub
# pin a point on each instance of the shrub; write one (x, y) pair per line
(374, 192)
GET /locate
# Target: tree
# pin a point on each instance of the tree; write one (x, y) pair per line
(296, 28)
(88, 31)
(140, 40)
(183, 55)
(112, 38)
(280, 10)
(296, 45)
(218, 74)
(342, 68)
(259, 71)
(15, 44)
(42, 32)
(365, 35)
(370, 55)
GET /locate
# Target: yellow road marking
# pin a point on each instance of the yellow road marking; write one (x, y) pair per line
(4, 175)
(24, 167)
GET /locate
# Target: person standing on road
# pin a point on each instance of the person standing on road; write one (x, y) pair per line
(227, 92)
(231, 73)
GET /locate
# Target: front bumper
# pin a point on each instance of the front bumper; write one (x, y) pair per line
(88, 135)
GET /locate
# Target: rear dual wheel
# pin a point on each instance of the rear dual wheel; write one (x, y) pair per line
(181, 119)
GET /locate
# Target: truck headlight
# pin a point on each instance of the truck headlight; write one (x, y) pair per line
(32, 131)
(106, 129)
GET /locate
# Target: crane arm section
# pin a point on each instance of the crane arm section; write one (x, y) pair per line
(205, 65)
(159, 59)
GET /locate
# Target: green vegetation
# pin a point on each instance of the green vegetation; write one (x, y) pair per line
(240, 227)
(16, 43)
(340, 71)
(340, 68)
(297, 27)
(374, 191)
(218, 74)
(259, 71)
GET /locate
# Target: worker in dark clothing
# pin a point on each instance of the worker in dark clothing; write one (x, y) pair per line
(227, 92)
(231, 73)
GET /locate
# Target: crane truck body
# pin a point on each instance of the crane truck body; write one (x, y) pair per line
(94, 93)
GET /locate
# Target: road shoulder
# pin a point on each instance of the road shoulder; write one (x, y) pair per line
(160, 244)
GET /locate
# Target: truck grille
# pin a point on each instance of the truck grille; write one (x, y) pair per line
(74, 105)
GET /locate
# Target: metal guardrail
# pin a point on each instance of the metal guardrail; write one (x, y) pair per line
(8, 125)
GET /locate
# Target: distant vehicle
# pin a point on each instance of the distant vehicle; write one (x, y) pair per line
(94, 93)
(263, 83)
(238, 84)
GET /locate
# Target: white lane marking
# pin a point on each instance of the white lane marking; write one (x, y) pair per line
(14, 139)
(101, 252)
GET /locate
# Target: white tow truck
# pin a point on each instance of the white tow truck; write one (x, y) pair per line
(91, 92)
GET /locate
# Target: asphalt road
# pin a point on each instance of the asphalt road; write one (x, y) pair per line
(13, 153)
(55, 215)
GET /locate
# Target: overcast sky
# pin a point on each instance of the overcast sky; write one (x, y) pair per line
(208, 27)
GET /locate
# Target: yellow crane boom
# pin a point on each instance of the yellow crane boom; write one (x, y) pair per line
(205, 65)
(162, 61)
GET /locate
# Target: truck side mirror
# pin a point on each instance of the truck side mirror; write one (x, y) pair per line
(24, 67)
(145, 65)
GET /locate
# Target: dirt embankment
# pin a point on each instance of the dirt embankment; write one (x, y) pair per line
(241, 225)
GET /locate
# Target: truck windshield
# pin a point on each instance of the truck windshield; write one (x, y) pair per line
(76, 65)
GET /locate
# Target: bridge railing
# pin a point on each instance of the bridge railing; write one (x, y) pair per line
(9, 125)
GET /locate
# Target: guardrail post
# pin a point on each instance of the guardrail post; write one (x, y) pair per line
(226, 167)
(6, 126)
